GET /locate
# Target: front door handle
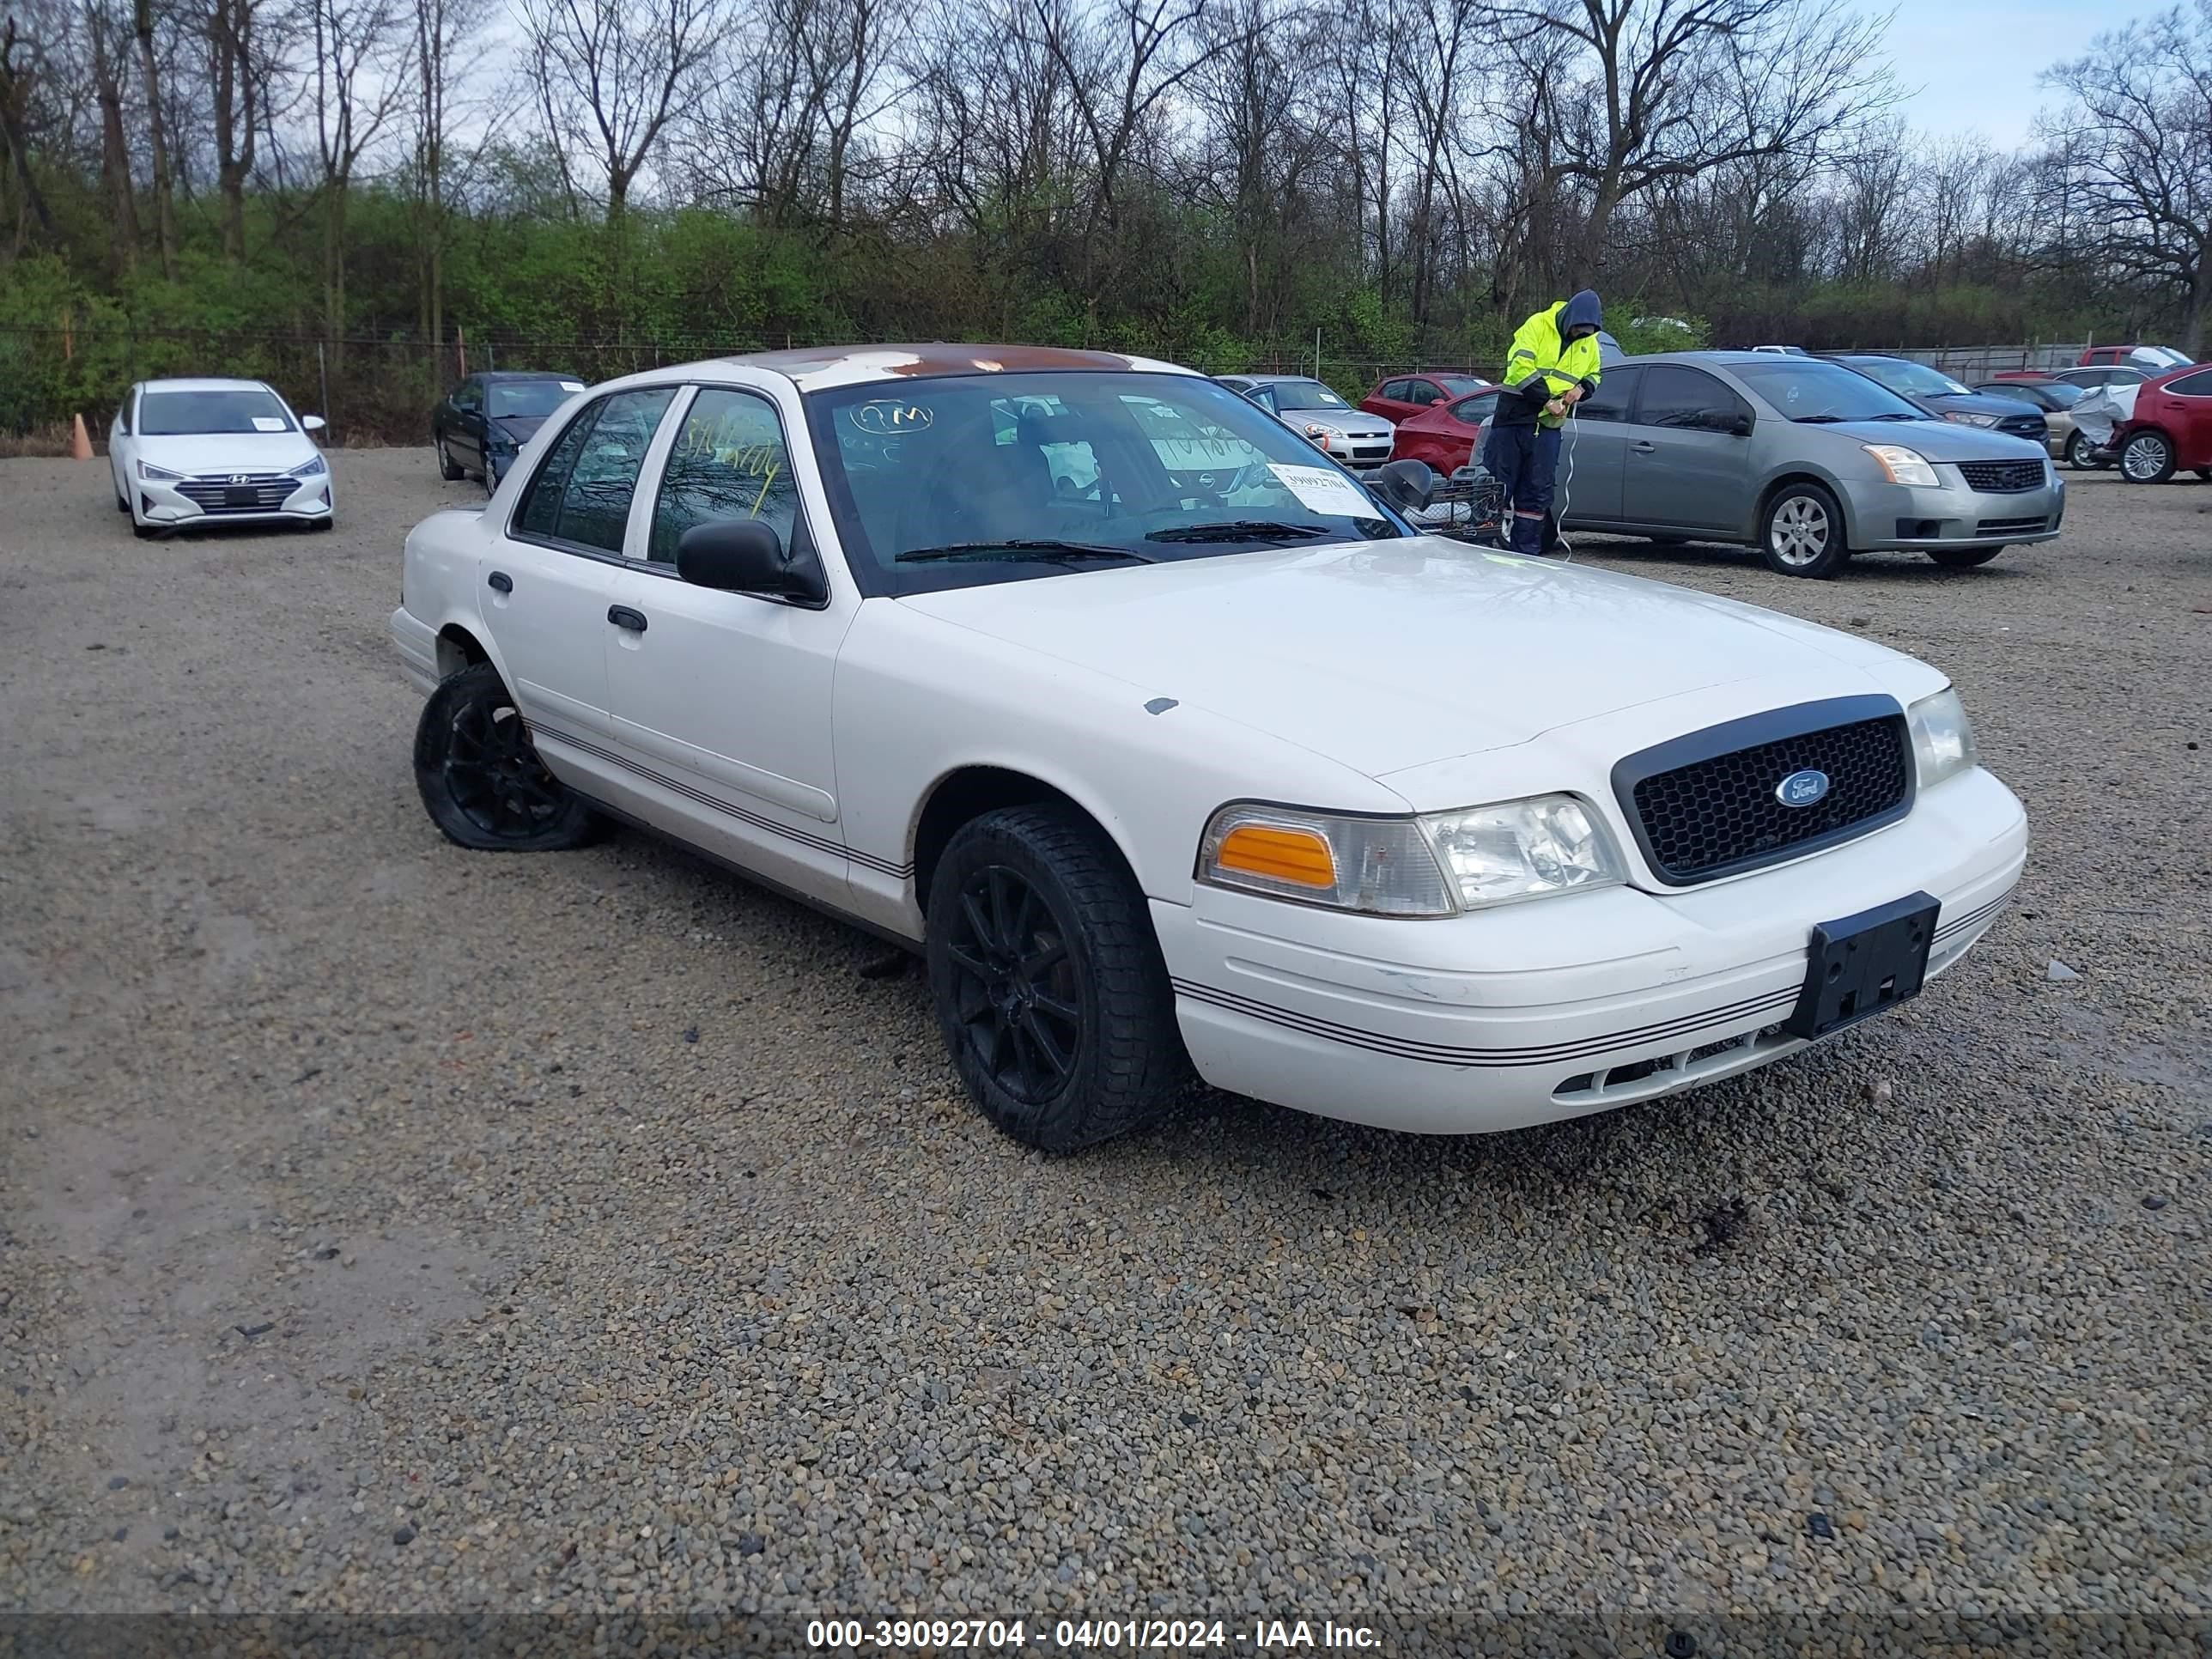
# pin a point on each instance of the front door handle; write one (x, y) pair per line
(1644, 448)
(623, 616)
(500, 582)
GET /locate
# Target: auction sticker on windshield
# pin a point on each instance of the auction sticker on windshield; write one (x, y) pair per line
(1319, 490)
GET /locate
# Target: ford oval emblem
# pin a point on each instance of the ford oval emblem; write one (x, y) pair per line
(1801, 788)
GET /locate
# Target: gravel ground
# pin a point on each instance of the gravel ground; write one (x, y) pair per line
(384, 1227)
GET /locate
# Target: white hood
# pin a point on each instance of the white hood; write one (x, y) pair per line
(1389, 655)
(201, 453)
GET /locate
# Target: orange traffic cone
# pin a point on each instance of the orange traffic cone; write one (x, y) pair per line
(79, 443)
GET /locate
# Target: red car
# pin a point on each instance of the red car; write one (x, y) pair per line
(2155, 358)
(2171, 427)
(1404, 396)
(1444, 436)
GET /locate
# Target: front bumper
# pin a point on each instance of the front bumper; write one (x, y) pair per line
(1560, 1006)
(171, 503)
(1887, 517)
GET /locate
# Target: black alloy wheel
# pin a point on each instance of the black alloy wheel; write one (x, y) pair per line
(1018, 998)
(480, 777)
(1049, 988)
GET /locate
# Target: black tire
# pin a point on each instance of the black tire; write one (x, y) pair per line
(122, 502)
(446, 468)
(144, 532)
(1801, 534)
(2147, 457)
(1051, 994)
(481, 783)
(2076, 453)
(1963, 558)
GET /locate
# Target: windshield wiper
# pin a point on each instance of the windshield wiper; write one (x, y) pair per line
(1044, 551)
(1240, 530)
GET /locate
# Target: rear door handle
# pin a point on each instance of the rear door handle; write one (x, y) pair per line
(500, 582)
(623, 616)
(1643, 447)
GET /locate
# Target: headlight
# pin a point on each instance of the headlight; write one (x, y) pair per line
(146, 470)
(1522, 850)
(1380, 865)
(1965, 419)
(1942, 738)
(1425, 867)
(1902, 465)
(1318, 433)
(313, 469)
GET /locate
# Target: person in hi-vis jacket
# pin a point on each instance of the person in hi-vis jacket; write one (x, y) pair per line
(1553, 364)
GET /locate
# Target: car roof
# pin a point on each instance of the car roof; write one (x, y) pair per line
(491, 375)
(209, 383)
(813, 369)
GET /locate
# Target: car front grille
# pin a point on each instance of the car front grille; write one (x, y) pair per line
(2011, 526)
(1720, 812)
(2000, 477)
(254, 492)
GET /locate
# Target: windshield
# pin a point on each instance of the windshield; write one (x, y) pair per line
(529, 399)
(945, 483)
(1306, 394)
(1912, 379)
(241, 409)
(2160, 356)
(1806, 389)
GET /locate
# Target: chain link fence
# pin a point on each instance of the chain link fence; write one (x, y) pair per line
(370, 392)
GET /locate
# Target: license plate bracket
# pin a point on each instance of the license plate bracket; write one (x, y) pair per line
(1859, 966)
(240, 495)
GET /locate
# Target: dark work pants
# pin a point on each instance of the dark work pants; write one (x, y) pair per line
(1525, 461)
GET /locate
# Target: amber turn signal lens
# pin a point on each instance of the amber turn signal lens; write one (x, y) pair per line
(1291, 856)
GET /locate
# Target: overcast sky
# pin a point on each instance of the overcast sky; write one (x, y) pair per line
(1977, 61)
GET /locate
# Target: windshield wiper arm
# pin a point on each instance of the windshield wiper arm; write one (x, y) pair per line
(1241, 530)
(1814, 420)
(1021, 548)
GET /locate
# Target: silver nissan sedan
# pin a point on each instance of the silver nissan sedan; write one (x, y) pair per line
(1806, 460)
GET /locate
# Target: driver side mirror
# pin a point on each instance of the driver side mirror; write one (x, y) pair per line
(1409, 486)
(1734, 422)
(744, 556)
(311, 424)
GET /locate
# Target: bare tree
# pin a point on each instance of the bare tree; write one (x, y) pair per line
(358, 85)
(236, 76)
(165, 197)
(607, 75)
(444, 31)
(1668, 89)
(22, 62)
(2133, 152)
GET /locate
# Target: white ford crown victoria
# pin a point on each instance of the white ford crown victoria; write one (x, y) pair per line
(1171, 745)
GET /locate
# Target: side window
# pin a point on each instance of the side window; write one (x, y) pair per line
(1262, 395)
(1616, 391)
(1420, 392)
(1393, 392)
(729, 461)
(582, 492)
(1473, 410)
(2191, 385)
(123, 415)
(1678, 396)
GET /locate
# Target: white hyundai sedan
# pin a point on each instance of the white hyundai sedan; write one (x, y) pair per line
(1171, 746)
(191, 452)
